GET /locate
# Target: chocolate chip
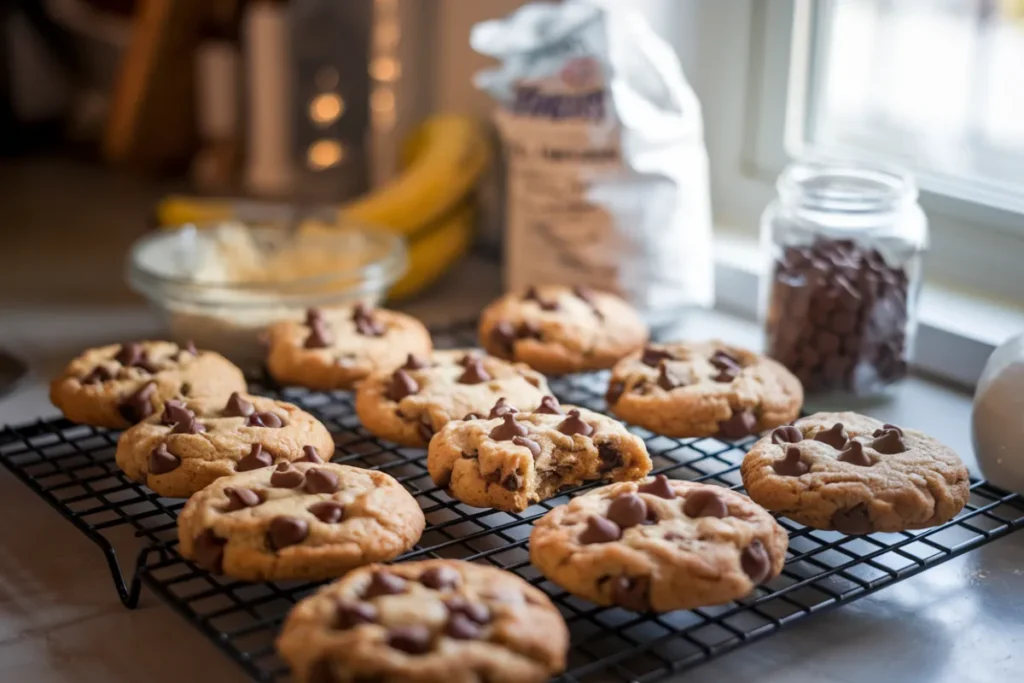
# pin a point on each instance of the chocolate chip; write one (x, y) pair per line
(609, 456)
(631, 592)
(551, 305)
(726, 375)
(652, 356)
(384, 583)
(174, 412)
(475, 373)
(349, 614)
(574, 424)
(208, 551)
(472, 416)
(787, 434)
(659, 487)
(241, 498)
(508, 429)
(285, 531)
(855, 455)
(755, 562)
(855, 521)
(531, 294)
(130, 354)
(462, 627)
(366, 324)
(310, 454)
(458, 604)
(327, 511)
(512, 482)
(138, 405)
(414, 362)
(238, 407)
(256, 459)
(600, 530)
(724, 360)
(835, 436)
(889, 443)
(627, 510)
(615, 391)
(186, 389)
(705, 502)
(99, 374)
(286, 477)
(320, 480)
(529, 444)
(441, 578)
(313, 316)
(791, 465)
(500, 408)
(320, 336)
(549, 406)
(413, 640)
(652, 517)
(503, 335)
(742, 423)
(402, 385)
(670, 377)
(468, 358)
(190, 425)
(162, 461)
(887, 428)
(269, 420)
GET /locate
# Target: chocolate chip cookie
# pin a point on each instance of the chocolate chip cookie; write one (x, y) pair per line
(189, 444)
(409, 405)
(510, 460)
(691, 389)
(558, 330)
(298, 520)
(119, 385)
(852, 473)
(435, 621)
(659, 545)
(336, 347)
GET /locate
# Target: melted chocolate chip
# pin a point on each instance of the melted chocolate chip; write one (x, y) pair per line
(725, 361)
(256, 459)
(653, 356)
(138, 405)
(600, 530)
(462, 627)
(284, 531)
(755, 562)
(742, 423)
(574, 424)
(503, 335)
(190, 425)
(631, 592)
(208, 551)
(384, 583)
(458, 604)
(670, 377)
(401, 385)
(549, 406)
(286, 477)
(500, 408)
(162, 461)
(349, 614)
(130, 354)
(238, 407)
(887, 428)
(855, 455)
(726, 375)
(512, 482)
(855, 521)
(627, 510)
(320, 336)
(475, 373)
(791, 465)
(609, 456)
(614, 393)
(705, 502)
(269, 420)
(414, 362)
(310, 454)
(327, 511)
(529, 444)
(659, 487)
(241, 498)
(441, 578)
(835, 437)
(889, 443)
(99, 374)
(787, 434)
(413, 640)
(320, 480)
(508, 429)
(175, 412)
(472, 416)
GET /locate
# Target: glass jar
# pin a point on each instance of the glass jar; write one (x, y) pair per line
(839, 298)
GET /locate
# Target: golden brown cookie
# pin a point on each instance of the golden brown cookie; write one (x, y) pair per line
(334, 348)
(692, 389)
(659, 545)
(408, 406)
(435, 621)
(511, 460)
(557, 330)
(116, 386)
(298, 520)
(852, 473)
(192, 443)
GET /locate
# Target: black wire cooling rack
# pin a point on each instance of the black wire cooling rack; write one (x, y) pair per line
(72, 468)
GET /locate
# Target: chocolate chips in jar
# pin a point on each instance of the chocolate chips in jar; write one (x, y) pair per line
(837, 316)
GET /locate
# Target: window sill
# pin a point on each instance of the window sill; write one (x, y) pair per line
(956, 332)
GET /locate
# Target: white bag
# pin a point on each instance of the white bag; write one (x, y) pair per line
(607, 170)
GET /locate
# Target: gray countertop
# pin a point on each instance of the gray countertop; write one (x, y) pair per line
(61, 621)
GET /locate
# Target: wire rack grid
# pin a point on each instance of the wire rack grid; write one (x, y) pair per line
(72, 468)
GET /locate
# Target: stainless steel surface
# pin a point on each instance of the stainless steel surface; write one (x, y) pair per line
(60, 620)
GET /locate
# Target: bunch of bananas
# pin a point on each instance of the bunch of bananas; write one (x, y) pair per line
(430, 203)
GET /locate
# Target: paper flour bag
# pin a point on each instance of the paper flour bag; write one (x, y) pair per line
(607, 171)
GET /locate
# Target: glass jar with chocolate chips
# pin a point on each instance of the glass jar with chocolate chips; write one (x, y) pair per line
(839, 297)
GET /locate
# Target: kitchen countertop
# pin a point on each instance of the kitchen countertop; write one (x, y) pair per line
(61, 621)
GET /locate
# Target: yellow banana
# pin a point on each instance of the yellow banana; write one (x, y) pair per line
(434, 253)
